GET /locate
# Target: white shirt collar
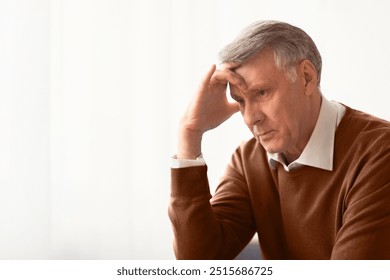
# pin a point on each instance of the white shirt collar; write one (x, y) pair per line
(320, 147)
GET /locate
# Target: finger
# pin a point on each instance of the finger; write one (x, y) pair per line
(230, 65)
(206, 79)
(227, 76)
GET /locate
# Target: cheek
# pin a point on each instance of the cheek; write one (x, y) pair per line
(283, 123)
(284, 115)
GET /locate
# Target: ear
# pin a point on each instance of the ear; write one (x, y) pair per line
(309, 76)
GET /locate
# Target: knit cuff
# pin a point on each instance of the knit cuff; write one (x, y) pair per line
(189, 182)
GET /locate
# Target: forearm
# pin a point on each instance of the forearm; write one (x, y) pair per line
(199, 234)
(193, 220)
(189, 143)
(204, 229)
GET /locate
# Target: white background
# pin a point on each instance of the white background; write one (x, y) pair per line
(91, 93)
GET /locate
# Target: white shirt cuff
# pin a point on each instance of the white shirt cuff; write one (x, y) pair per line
(182, 163)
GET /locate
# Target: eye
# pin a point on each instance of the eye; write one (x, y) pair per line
(261, 92)
(237, 98)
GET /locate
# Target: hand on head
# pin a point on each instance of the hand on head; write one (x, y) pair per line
(208, 109)
(210, 106)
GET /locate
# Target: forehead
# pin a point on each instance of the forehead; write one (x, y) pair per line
(259, 70)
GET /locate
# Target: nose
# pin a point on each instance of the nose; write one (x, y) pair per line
(253, 115)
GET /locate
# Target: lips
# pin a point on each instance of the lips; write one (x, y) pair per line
(261, 133)
(265, 136)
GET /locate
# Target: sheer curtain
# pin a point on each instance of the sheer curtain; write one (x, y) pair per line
(90, 96)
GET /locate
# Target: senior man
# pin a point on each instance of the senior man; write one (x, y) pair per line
(313, 182)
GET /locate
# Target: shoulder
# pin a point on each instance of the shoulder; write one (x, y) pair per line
(363, 158)
(362, 146)
(363, 151)
(365, 122)
(364, 132)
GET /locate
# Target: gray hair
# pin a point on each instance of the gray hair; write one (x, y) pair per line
(290, 45)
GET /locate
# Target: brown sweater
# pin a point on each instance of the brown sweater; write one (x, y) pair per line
(307, 213)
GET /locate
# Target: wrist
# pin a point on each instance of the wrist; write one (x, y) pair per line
(189, 144)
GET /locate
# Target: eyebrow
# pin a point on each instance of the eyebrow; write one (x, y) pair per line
(255, 88)
(262, 85)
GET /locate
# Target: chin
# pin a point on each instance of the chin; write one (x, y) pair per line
(272, 148)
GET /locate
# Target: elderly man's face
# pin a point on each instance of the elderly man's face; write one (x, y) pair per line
(277, 110)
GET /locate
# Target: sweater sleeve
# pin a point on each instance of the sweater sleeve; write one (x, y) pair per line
(365, 233)
(205, 227)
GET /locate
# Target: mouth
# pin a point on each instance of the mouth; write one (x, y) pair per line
(263, 133)
(264, 136)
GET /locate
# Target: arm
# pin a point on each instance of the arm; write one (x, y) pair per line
(210, 229)
(365, 233)
(203, 230)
